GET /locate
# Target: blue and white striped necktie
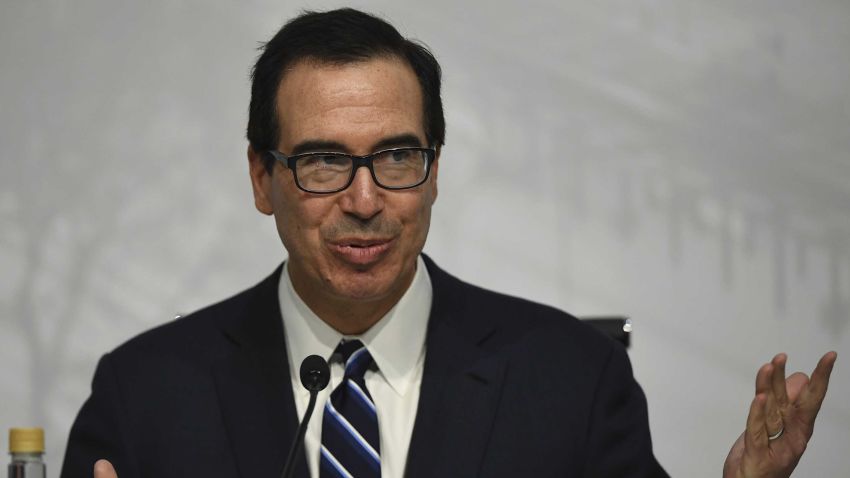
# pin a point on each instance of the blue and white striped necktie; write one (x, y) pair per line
(350, 442)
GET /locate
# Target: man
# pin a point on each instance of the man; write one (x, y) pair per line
(430, 376)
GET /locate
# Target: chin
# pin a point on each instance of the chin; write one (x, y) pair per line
(372, 284)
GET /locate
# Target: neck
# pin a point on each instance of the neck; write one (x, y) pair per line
(356, 318)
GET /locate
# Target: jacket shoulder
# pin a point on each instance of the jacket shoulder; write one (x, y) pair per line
(515, 319)
(199, 333)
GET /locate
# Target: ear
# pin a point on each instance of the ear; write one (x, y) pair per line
(261, 180)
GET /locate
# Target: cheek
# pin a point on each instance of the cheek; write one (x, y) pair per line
(419, 217)
(425, 220)
(298, 220)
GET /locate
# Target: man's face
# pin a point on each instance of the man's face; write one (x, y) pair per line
(360, 243)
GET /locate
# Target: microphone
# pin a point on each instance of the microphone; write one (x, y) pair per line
(315, 375)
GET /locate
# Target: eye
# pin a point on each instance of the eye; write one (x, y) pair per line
(402, 155)
(320, 161)
(331, 160)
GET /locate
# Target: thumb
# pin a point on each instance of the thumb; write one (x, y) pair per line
(104, 469)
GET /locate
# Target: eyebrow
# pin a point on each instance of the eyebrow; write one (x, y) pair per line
(319, 145)
(398, 141)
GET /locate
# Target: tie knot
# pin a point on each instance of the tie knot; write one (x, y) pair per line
(354, 355)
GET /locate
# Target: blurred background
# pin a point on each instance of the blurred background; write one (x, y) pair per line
(686, 163)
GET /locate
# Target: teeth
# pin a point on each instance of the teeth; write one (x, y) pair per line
(361, 246)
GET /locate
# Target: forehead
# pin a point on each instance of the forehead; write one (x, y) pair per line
(354, 104)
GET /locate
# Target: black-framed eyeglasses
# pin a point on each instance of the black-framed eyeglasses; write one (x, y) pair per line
(325, 173)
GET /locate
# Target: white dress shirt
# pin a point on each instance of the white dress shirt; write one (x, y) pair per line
(396, 343)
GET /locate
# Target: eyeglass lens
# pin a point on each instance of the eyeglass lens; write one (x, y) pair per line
(398, 168)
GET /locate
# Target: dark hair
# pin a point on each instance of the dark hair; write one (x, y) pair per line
(337, 37)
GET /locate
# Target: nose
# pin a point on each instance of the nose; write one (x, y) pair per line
(363, 198)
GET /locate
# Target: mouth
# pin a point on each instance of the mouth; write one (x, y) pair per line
(360, 251)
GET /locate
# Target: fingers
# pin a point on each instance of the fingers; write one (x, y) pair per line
(755, 436)
(765, 378)
(104, 469)
(820, 377)
(778, 380)
(811, 397)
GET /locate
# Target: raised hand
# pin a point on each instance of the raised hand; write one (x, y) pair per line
(781, 420)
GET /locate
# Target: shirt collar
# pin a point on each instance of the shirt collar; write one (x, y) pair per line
(396, 342)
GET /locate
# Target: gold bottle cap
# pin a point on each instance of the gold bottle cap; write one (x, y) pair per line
(26, 440)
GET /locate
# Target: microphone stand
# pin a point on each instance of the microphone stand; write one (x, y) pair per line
(299, 437)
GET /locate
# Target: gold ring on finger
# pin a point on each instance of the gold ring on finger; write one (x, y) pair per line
(778, 434)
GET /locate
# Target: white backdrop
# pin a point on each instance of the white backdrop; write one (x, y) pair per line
(683, 162)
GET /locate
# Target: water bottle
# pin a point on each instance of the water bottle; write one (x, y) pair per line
(26, 445)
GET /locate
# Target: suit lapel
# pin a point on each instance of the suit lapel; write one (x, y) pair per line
(254, 386)
(461, 387)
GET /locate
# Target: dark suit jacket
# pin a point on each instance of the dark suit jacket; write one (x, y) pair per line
(510, 389)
